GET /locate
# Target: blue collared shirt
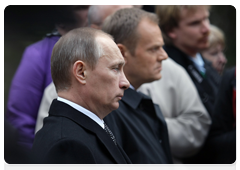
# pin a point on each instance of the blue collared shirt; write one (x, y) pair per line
(198, 62)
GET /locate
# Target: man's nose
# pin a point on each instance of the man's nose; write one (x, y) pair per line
(205, 26)
(222, 58)
(162, 55)
(124, 83)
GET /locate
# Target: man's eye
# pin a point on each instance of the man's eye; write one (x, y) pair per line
(154, 49)
(214, 53)
(194, 23)
(116, 69)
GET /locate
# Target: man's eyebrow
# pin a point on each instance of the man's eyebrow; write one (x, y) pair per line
(159, 45)
(118, 63)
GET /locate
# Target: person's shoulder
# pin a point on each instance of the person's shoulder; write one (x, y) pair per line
(170, 65)
(231, 73)
(119, 114)
(59, 127)
(43, 43)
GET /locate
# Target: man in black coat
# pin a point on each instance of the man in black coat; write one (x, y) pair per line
(87, 70)
(186, 30)
(138, 124)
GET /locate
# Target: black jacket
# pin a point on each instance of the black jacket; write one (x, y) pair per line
(207, 85)
(140, 128)
(70, 137)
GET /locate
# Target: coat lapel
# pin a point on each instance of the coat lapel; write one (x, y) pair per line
(63, 109)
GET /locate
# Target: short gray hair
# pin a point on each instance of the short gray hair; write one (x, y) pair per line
(77, 44)
(122, 25)
(93, 15)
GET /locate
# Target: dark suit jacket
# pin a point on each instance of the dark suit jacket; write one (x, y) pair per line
(207, 85)
(69, 136)
(140, 128)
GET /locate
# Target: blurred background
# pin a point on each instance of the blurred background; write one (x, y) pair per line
(26, 24)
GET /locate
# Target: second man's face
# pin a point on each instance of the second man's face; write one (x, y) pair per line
(146, 63)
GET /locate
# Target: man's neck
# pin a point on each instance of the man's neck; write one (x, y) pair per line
(189, 51)
(74, 97)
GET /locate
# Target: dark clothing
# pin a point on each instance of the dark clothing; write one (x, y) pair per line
(140, 128)
(220, 151)
(13, 152)
(70, 137)
(207, 85)
(224, 116)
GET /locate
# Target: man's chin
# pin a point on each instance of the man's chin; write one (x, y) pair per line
(203, 46)
(158, 77)
(115, 106)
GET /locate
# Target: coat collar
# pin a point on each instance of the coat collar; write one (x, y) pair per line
(61, 109)
(133, 98)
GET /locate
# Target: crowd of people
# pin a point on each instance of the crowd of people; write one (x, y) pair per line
(121, 84)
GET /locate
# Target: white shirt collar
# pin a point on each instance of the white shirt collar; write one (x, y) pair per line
(83, 110)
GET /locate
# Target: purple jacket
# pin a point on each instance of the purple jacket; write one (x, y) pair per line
(31, 78)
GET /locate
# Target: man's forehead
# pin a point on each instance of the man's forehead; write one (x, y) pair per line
(103, 38)
(107, 43)
(110, 49)
(146, 28)
(190, 13)
(111, 59)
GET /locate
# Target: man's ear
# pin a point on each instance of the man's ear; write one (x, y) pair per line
(80, 71)
(125, 52)
(172, 34)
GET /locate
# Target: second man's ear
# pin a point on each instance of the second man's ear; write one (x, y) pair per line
(172, 34)
(79, 71)
(125, 52)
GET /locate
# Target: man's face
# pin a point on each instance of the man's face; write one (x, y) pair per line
(146, 63)
(107, 82)
(192, 32)
(216, 56)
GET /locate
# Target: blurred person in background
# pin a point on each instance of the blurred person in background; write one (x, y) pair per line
(98, 13)
(187, 119)
(34, 74)
(214, 53)
(186, 30)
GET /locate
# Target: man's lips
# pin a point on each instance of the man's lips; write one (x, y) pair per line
(120, 96)
(159, 68)
(205, 38)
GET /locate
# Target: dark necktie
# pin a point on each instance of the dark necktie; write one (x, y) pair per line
(109, 132)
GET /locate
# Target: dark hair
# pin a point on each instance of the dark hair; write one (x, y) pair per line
(64, 15)
(122, 25)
